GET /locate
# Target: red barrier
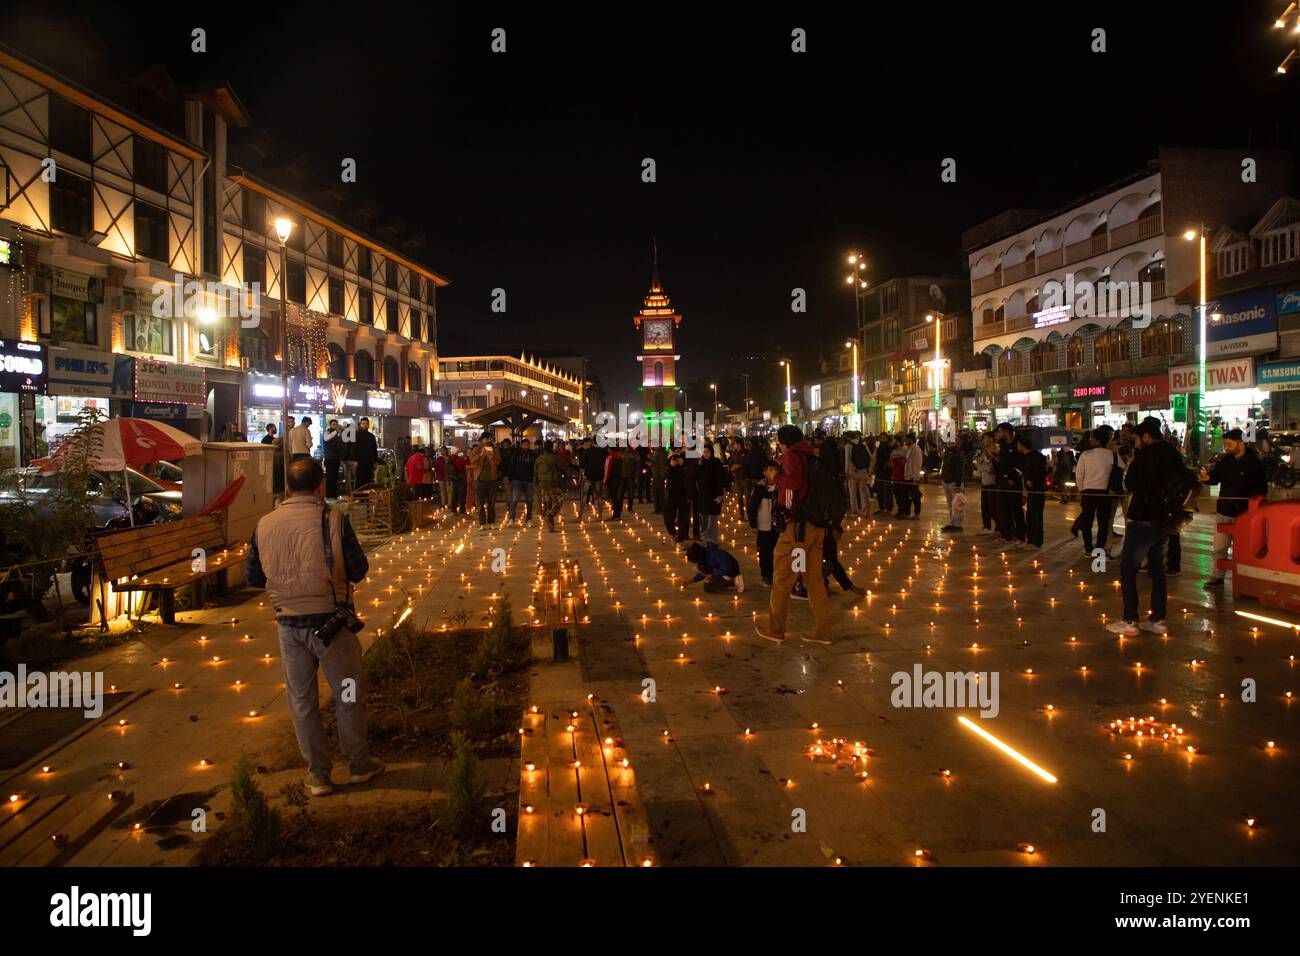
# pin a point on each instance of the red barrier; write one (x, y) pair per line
(1265, 562)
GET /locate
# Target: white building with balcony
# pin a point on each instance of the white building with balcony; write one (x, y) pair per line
(1127, 236)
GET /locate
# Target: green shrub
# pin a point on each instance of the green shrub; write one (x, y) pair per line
(473, 710)
(464, 805)
(254, 826)
(493, 653)
(382, 658)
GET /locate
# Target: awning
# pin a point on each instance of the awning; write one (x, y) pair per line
(514, 414)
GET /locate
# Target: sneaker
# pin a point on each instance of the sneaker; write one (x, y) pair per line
(371, 770)
(1173, 572)
(1123, 628)
(798, 593)
(769, 635)
(767, 582)
(740, 582)
(319, 786)
(1155, 627)
(1213, 583)
(814, 639)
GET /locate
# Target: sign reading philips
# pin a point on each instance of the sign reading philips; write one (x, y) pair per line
(1248, 325)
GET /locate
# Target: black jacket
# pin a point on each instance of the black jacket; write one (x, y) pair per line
(1034, 468)
(521, 464)
(593, 463)
(1238, 478)
(883, 468)
(1147, 475)
(334, 446)
(950, 472)
(714, 480)
(365, 448)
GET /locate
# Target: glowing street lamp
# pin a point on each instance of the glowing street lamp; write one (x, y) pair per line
(937, 319)
(853, 344)
(789, 420)
(1196, 432)
(283, 229)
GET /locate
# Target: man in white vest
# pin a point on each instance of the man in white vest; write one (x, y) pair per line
(307, 557)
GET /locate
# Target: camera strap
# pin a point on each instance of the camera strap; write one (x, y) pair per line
(329, 553)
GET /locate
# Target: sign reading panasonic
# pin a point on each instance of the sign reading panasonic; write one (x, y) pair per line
(1248, 325)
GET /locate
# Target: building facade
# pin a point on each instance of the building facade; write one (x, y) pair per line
(476, 382)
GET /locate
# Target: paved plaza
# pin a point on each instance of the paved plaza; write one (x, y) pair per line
(722, 728)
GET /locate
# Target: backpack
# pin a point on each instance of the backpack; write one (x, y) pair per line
(860, 457)
(1115, 483)
(1169, 505)
(826, 499)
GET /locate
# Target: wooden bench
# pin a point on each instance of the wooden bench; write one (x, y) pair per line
(160, 558)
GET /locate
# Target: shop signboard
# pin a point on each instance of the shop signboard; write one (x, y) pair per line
(1092, 393)
(1248, 325)
(408, 405)
(168, 382)
(989, 399)
(22, 367)
(1288, 303)
(1032, 399)
(1148, 390)
(1278, 376)
(75, 285)
(85, 372)
(379, 401)
(1233, 373)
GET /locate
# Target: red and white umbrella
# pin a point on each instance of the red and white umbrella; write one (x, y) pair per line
(121, 443)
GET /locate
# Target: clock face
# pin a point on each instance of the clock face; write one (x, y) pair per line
(658, 333)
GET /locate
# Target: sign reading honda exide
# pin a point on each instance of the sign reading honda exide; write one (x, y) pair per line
(167, 382)
(22, 367)
(1236, 373)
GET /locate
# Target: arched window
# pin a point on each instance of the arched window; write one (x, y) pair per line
(1043, 357)
(1111, 346)
(1154, 273)
(1008, 363)
(365, 365)
(1074, 352)
(253, 348)
(414, 380)
(392, 373)
(659, 403)
(338, 362)
(1031, 305)
(1162, 337)
(659, 373)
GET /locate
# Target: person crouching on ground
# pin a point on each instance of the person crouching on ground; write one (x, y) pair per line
(306, 556)
(721, 568)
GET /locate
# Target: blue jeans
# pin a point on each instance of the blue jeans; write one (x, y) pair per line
(1143, 540)
(301, 654)
(521, 489)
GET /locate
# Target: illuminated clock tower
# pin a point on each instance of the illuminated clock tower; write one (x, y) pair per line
(658, 323)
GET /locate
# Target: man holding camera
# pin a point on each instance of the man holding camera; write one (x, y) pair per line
(307, 557)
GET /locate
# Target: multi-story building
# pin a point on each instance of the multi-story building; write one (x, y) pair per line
(476, 382)
(897, 349)
(1076, 307)
(142, 272)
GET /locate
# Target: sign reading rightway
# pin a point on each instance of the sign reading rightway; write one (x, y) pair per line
(1234, 373)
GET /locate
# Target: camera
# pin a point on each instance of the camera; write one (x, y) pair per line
(342, 617)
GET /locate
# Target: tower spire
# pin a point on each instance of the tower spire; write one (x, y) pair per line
(655, 285)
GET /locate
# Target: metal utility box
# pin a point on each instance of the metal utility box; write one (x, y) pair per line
(208, 474)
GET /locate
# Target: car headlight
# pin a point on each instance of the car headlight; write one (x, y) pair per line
(172, 508)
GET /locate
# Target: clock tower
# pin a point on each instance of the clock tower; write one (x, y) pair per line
(657, 323)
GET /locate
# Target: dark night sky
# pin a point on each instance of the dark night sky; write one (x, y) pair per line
(523, 169)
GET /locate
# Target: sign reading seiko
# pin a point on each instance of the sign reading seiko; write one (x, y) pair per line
(22, 367)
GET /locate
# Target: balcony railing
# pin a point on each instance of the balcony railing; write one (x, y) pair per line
(1124, 235)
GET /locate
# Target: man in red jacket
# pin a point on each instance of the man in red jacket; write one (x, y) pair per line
(799, 548)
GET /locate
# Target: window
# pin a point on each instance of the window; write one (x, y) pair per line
(334, 248)
(414, 380)
(659, 373)
(365, 307)
(365, 366)
(150, 163)
(70, 204)
(211, 219)
(148, 333)
(338, 362)
(390, 274)
(335, 295)
(72, 320)
(150, 231)
(254, 266)
(889, 299)
(391, 314)
(1074, 352)
(1008, 363)
(297, 240)
(1281, 245)
(415, 325)
(1111, 346)
(1232, 261)
(69, 128)
(296, 281)
(363, 261)
(872, 303)
(253, 348)
(392, 374)
(428, 290)
(1163, 337)
(1043, 357)
(890, 333)
(416, 283)
(255, 213)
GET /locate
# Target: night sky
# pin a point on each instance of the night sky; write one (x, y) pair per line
(523, 169)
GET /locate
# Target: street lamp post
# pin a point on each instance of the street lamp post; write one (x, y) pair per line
(713, 385)
(857, 408)
(789, 418)
(938, 361)
(283, 228)
(744, 426)
(1196, 439)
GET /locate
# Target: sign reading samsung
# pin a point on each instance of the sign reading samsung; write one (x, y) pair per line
(1248, 325)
